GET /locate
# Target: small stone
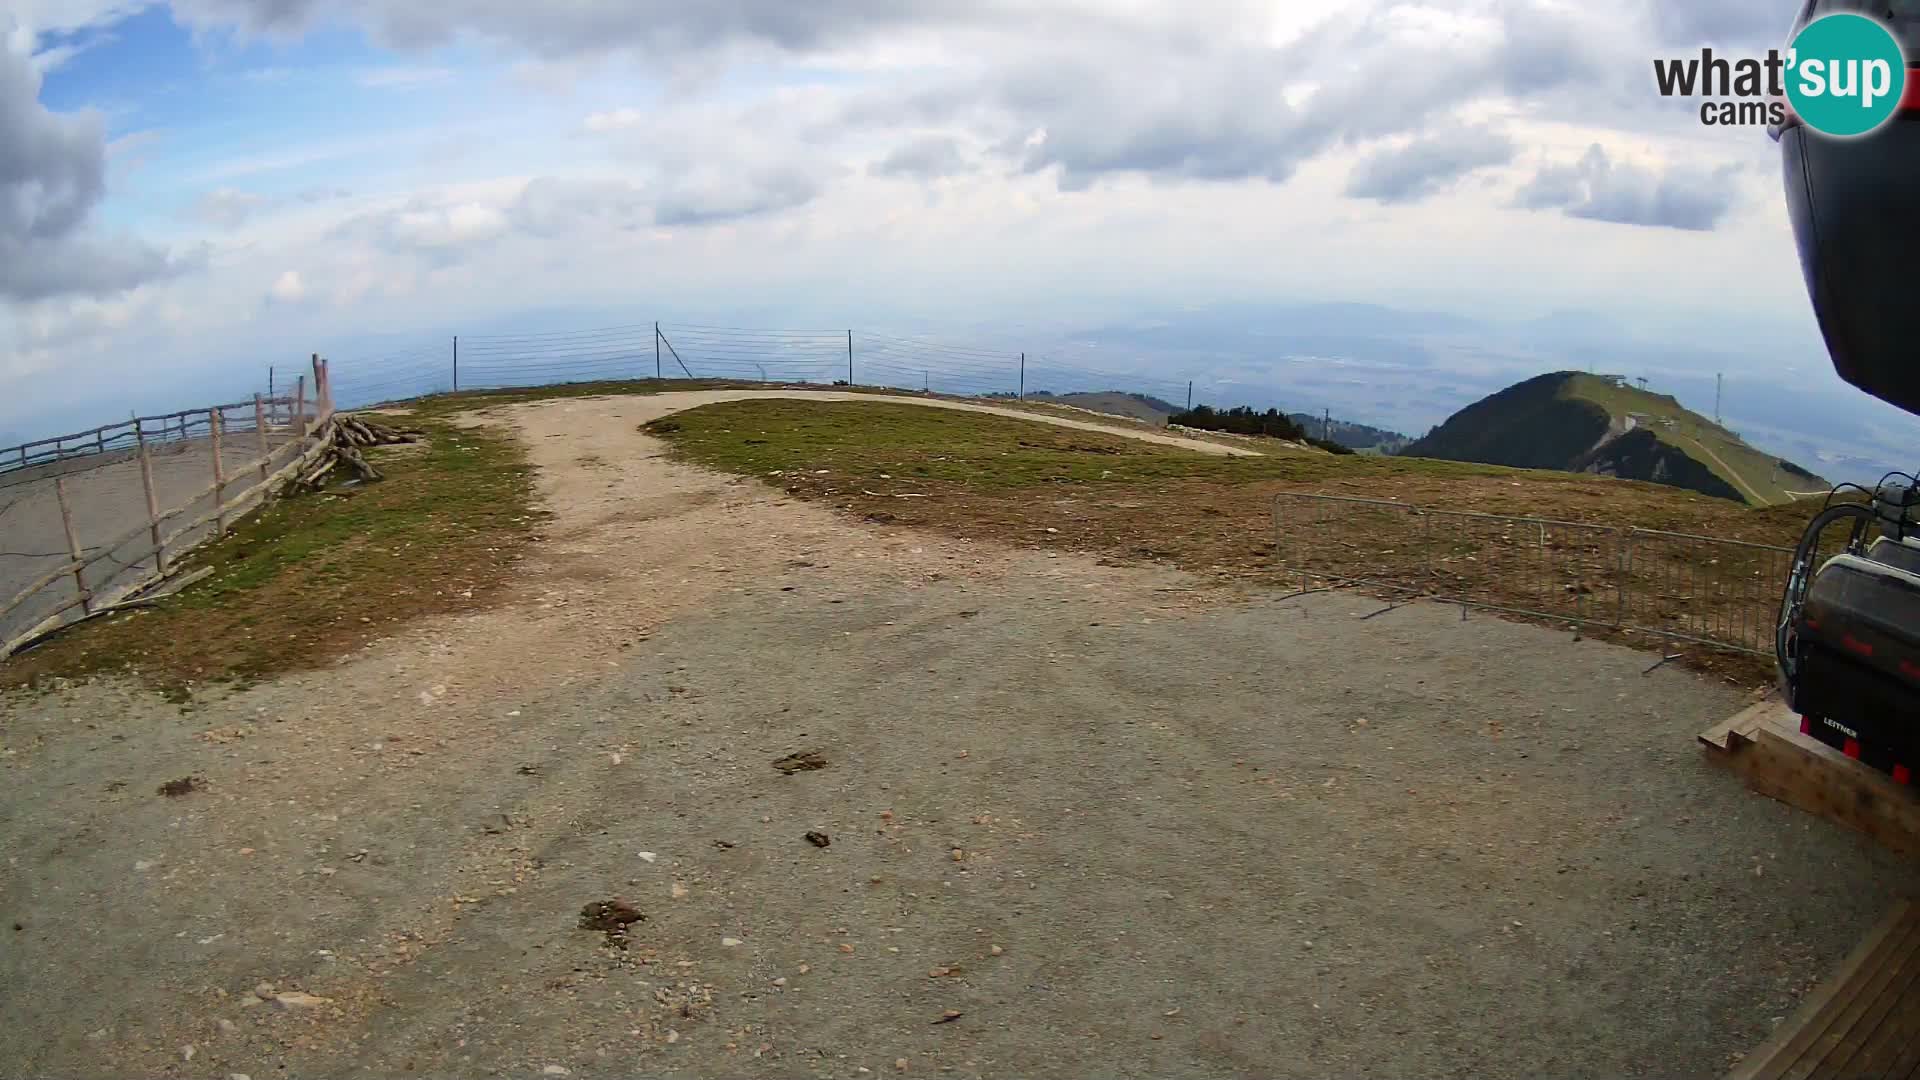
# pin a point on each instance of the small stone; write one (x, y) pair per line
(995, 950)
(263, 990)
(729, 942)
(648, 856)
(557, 1070)
(186, 1052)
(781, 981)
(900, 1064)
(938, 972)
(238, 1076)
(958, 855)
(673, 1036)
(844, 947)
(818, 838)
(803, 969)
(679, 891)
(294, 999)
(227, 1026)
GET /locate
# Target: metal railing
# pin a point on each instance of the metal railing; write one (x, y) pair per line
(1674, 586)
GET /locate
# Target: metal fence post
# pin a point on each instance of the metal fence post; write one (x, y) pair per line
(73, 544)
(1023, 376)
(456, 363)
(849, 358)
(656, 349)
(1626, 577)
(1426, 542)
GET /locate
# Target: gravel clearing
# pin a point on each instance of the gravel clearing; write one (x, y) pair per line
(1084, 820)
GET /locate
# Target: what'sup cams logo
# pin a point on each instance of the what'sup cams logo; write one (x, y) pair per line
(1844, 75)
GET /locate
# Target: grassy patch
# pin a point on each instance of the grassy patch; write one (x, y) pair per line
(974, 451)
(1042, 486)
(315, 576)
(441, 405)
(1751, 471)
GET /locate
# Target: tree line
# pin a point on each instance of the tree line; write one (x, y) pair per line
(1244, 420)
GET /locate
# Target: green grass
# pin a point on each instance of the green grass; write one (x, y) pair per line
(1749, 470)
(315, 575)
(440, 405)
(861, 441)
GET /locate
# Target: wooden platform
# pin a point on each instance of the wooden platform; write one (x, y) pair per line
(1863, 1022)
(1764, 745)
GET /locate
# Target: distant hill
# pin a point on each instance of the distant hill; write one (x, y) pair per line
(1352, 435)
(1114, 403)
(1576, 422)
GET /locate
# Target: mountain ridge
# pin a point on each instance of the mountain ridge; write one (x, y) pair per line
(1572, 421)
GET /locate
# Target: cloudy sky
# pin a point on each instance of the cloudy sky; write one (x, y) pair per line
(191, 190)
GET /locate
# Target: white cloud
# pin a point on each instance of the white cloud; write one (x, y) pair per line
(766, 148)
(227, 208)
(288, 288)
(615, 120)
(402, 77)
(53, 170)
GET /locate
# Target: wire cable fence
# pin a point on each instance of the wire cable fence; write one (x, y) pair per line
(1674, 586)
(700, 351)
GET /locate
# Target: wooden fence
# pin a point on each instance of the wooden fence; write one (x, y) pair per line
(51, 598)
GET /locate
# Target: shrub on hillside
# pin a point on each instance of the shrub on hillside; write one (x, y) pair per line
(1330, 446)
(1240, 420)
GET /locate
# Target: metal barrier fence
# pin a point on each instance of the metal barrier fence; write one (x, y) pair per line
(1676, 586)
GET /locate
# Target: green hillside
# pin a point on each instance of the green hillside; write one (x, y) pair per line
(1576, 422)
(1145, 407)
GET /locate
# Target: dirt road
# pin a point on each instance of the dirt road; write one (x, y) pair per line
(1081, 820)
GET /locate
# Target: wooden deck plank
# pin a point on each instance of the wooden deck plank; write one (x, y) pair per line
(1823, 1006)
(1905, 1062)
(1764, 745)
(1867, 998)
(1851, 1017)
(1882, 1029)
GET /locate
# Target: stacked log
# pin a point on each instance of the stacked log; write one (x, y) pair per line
(345, 436)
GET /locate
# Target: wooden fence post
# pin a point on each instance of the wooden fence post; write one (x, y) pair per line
(260, 426)
(300, 407)
(219, 473)
(73, 545)
(153, 504)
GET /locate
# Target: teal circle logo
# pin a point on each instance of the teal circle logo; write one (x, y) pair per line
(1845, 75)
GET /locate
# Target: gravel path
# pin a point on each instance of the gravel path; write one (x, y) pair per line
(1119, 822)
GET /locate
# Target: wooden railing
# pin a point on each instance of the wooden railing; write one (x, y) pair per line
(296, 419)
